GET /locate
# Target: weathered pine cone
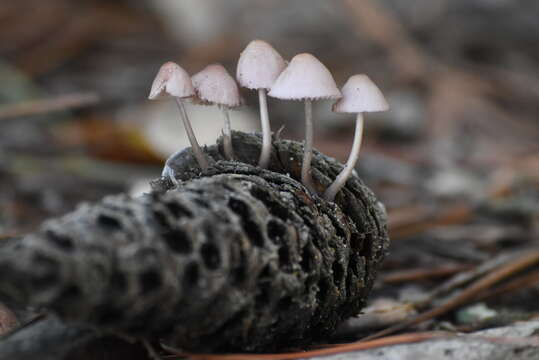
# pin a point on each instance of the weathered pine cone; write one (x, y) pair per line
(235, 258)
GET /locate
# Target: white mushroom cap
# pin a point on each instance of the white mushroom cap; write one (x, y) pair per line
(171, 80)
(215, 85)
(305, 78)
(259, 65)
(360, 94)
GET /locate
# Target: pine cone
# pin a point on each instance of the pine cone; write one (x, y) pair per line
(234, 258)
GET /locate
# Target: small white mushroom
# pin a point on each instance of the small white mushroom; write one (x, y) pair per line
(258, 68)
(173, 81)
(360, 95)
(306, 78)
(215, 86)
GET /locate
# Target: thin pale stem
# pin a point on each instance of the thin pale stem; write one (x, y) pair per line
(197, 151)
(306, 177)
(340, 181)
(227, 136)
(266, 130)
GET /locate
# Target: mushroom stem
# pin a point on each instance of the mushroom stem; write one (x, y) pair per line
(197, 151)
(227, 135)
(306, 177)
(266, 130)
(340, 180)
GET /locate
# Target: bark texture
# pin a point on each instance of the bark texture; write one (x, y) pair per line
(232, 258)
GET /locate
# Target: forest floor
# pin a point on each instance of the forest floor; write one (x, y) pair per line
(456, 160)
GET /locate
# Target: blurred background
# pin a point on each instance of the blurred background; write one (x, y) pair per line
(455, 161)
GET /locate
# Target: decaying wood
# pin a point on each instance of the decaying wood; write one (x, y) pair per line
(234, 258)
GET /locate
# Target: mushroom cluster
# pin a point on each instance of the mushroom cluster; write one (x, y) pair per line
(262, 68)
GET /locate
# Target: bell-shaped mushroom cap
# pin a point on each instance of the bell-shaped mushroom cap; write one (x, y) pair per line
(360, 94)
(214, 85)
(305, 78)
(171, 80)
(259, 65)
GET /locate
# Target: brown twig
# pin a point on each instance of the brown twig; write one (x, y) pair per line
(423, 273)
(44, 106)
(467, 294)
(454, 215)
(466, 277)
(520, 283)
(355, 346)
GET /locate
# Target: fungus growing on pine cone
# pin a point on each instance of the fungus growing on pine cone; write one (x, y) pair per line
(306, 79)
(360, 95)
(237, 258)
(258, 68)
(173, 81)
(215, 86)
